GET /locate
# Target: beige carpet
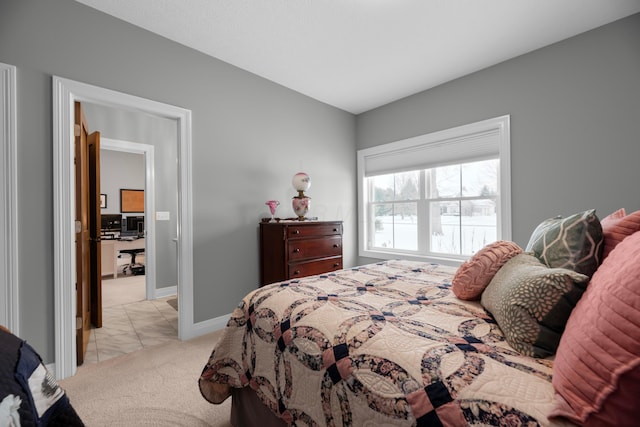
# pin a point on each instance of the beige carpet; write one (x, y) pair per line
(155, 386)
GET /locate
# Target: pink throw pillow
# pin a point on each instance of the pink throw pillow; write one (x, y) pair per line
(616, 227)
(620, 213)
(597, 366)
(474, 275)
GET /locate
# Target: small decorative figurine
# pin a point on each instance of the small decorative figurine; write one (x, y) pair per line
(301, 202)
(273, 205)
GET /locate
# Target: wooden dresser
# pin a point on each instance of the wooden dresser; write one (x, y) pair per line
(292, 249)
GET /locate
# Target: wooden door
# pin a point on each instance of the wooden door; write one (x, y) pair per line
(87, 200)
(95, 249)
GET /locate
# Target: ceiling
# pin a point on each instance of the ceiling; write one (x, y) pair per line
(360, 54)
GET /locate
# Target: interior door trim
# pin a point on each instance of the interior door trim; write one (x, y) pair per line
(9, 284)
(65, 93)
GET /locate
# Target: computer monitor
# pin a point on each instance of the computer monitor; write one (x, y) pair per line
(135, 224)
(110, 222)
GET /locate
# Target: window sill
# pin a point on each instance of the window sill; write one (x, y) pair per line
(381, 255)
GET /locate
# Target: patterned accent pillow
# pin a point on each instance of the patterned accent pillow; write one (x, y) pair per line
(617, 226)
(596, 373)
(532, 302)
(474, 275)
(574, 242)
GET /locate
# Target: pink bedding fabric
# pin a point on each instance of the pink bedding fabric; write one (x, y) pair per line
(597, 366)
(616, 227)
(474, 275)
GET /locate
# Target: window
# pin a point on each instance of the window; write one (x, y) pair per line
(440, 196)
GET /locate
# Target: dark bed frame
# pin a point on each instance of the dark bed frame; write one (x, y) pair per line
(247, 410)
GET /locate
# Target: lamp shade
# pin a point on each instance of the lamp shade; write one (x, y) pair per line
(301, 181)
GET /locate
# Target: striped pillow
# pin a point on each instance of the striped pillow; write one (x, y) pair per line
(596, 373)
(617, 226)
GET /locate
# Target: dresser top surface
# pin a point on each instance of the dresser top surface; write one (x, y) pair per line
(299, 223)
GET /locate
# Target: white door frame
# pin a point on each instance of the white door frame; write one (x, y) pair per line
(65, 93)
(149, 205)
(9, 287)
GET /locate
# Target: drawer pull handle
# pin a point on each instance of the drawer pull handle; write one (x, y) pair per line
(336, 245)
(296, 250)
(296, 231)
(335, 229)
(337, 264)
(295, 273)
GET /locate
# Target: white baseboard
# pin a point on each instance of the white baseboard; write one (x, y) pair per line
(200, 328)
(165, 292)
(208, 326)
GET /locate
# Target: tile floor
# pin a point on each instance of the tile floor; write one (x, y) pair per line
(129, 322)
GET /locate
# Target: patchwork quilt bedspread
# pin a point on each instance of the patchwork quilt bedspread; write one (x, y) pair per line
(381, 344)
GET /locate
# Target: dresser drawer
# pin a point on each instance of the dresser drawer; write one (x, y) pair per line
(314, 248)
(290, 249)
(310, 268)
(307, 230)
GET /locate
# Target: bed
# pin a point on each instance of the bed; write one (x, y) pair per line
(386, 343)
(394, 344)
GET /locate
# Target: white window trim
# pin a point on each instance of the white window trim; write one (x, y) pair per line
(499, 125)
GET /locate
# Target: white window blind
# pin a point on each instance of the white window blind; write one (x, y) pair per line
(477, 141)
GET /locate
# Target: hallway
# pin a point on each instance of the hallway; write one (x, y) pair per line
(129, 322)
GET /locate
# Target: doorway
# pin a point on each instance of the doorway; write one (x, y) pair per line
(135, 313)
(148, 153)
(65, 93)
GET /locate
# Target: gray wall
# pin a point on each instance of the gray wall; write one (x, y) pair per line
(249, 137)
(575, 109)
(119, 170)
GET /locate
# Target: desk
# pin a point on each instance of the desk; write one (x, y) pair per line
(110, 251)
